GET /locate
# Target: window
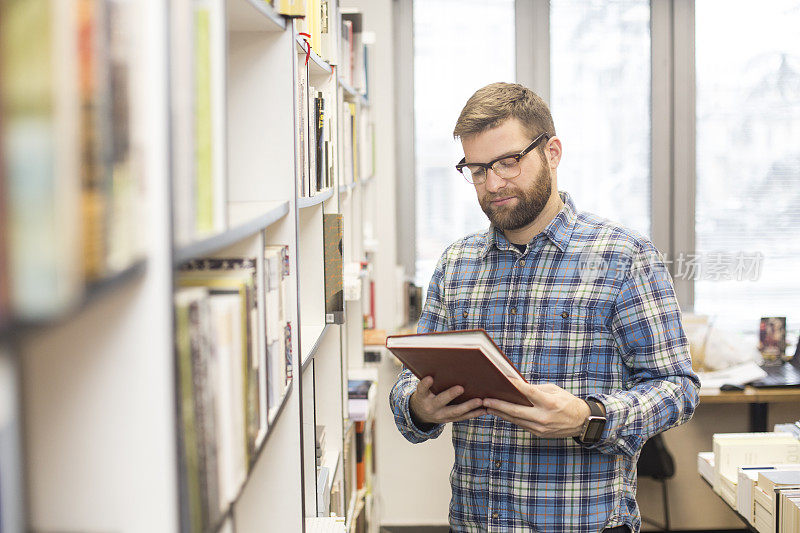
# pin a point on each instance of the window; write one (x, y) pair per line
(600, 100)
(748, 162)
(459, 46)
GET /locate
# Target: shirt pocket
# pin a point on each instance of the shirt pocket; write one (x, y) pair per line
(567, 344)
(478, 317)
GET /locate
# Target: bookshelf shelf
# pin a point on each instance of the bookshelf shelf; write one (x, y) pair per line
(94, 291)
(310, 201)
(254, 15)
(315, 334)
(347, 187)
(212, 244)
(319, 69)
(351, 93)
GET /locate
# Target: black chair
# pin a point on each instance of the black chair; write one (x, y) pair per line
(656, 462)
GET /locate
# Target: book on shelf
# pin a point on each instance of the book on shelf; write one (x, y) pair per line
(768, 492)
(301, 119)
(353, 47)
(734, 449)
(352, 117)
(346, 50)
(11, 487)
(333, 235)
(348, 175)
(278, 322)
(361, 399)
(107, 170)
(238, 276)
(468, 358)
(773, 479)
(747, 479)
(311, 181)
(705, 466)
(70, 172)
(198, 110)
(319, 443)
(329, 21)
(195, 370)
(323, 495)
(320, 161)
(789, 511)
(292, 8)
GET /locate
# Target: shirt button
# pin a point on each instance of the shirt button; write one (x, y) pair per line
(498, 463)
(522, 262)
(466, 314)
(564, 315)
(495, 515)
(513, 310)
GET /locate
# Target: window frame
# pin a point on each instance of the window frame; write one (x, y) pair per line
(672, 114)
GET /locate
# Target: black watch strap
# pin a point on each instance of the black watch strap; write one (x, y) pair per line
(596, 411)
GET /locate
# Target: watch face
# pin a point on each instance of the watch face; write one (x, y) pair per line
(594, 429)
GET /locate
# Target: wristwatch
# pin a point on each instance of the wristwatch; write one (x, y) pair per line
(594, 425)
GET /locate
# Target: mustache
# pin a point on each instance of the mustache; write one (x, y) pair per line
(492, 197)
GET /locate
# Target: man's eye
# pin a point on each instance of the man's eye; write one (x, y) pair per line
(508, 162)
(477, 171)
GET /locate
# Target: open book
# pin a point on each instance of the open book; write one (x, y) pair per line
(463, 357)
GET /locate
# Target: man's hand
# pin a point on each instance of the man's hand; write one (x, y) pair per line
(432, 408)
(556, 413)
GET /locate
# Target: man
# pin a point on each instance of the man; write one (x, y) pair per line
(585, 310)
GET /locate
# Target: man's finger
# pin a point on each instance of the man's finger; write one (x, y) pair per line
(525, 424)
(455, 411)
(533, 392)
(424, 385)
(448, 396)
(512, 409)
(472, 414)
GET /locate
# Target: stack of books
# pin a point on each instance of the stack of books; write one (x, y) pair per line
(789, 508)
(731, 450)
(747, 482)
(758, 474)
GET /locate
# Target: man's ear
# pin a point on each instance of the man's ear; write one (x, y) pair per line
(553, 151)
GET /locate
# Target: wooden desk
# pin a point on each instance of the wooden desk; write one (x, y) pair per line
(757, 399)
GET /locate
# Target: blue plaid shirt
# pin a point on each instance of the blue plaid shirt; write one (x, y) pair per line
(590, 307)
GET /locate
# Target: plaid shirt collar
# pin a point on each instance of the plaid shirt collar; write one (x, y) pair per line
(559, 230)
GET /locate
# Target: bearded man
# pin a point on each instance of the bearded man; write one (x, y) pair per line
(586, 311)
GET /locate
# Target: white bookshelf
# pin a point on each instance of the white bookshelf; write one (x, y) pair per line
(100, 387)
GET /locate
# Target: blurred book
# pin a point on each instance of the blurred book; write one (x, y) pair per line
(12, 507)
(278, 323)
(198, 116)
(71, 175)
(333, 236)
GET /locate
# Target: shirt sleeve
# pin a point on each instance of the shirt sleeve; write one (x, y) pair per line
(662, 391)
(434, 318)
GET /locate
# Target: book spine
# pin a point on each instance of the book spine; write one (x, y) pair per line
(321, 165)
(334, 286)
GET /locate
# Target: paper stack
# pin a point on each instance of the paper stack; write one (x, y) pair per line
(747, 481)
(768, 491)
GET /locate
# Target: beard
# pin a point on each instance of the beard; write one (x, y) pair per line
(530, 203)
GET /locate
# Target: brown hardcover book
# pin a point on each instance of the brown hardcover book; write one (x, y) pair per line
(463, 357)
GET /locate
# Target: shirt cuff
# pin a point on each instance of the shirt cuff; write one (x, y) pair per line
(405, 408)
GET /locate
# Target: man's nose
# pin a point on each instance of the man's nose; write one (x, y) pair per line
(494, 182)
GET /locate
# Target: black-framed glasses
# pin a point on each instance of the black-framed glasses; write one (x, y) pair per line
(506, 167)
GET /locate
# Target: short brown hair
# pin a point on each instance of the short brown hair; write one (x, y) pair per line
(493, 104)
